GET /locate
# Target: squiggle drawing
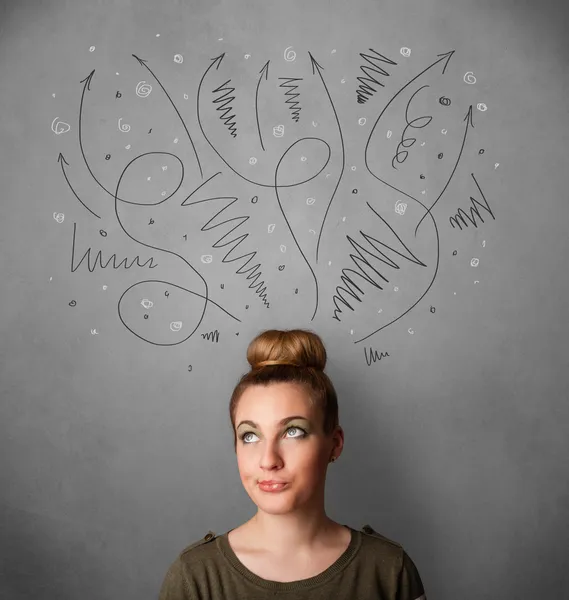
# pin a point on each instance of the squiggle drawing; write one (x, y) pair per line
(406, 137)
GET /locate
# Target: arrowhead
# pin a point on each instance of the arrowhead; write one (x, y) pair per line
(448, 56)
(140, 60)
(88, 79)
(468, 117)
(218, 59)
(315, 64)
(237, 333)
(266, 70)
(62, 158)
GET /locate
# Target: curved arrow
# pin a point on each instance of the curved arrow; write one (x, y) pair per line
(319, 68)
(469, 123)
(265, 69)
(61, 160)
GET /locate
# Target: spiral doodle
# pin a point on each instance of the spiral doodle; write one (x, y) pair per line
(289, 54)
(59, 127)
(124, 128)
(143, 89)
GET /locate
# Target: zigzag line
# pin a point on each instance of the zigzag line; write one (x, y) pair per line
(365, 91)
(226, 107)
(361, 262)
(293, 105)
(254, 270)
(99, 259)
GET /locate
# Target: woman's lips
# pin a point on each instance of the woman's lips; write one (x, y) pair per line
(272, 487)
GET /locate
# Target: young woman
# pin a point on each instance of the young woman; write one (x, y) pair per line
(284, 415)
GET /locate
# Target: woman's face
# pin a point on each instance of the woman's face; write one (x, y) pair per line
(296, 451)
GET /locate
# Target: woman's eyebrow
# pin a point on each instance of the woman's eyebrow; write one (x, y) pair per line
(281, 422)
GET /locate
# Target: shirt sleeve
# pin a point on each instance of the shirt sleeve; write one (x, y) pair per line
(173, 586)
(410, 586)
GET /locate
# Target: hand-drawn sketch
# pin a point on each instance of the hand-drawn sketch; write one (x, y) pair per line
(299, 176)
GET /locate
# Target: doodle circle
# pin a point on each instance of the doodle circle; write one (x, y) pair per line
(469, 78)
(73, 303)
(433, 309)
(271, 228)
(444, 101)
(143, 89)
(124, 128)
(281, 267)
(362, 121)
(481, 151)
(400, 207)
(354, 191)
(303, 158)
(474, 262)
(206, 258)
(59, 217)
(283, 248)
(289, 54)
(59, 127)
(440, 155)
(176, 325)
(254, 199)
(92, 49)
(103, 232)
(353, 168)
(278, 131)
(310, 201)
(252, 160)
(406, 52)
(178, 58)
(389, 134)
(247, 56)
(147, 303)
(481, 106)
(186, 96)
(410, 331)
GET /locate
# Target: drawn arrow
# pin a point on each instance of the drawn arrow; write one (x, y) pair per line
(469, 124)
(61, 160)
(319, 68)
(264, 70)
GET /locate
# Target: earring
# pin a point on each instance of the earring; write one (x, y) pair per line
(333, 458)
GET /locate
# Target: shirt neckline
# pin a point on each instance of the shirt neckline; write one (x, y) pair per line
(223, 545)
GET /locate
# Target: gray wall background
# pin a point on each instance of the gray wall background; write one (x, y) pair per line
(114, 455)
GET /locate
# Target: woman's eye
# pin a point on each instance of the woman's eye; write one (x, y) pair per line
(303, 434)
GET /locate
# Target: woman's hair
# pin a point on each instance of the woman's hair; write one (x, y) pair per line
(292, 356)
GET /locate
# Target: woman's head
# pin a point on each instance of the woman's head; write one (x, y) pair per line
(297, 451)
(295, 356)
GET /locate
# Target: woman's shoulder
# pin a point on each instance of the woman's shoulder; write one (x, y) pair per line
(368, 530)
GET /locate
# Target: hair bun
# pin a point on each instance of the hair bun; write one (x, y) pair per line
(296, 347)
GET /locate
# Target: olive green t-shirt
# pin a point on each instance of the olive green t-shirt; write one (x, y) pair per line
(371, 568)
